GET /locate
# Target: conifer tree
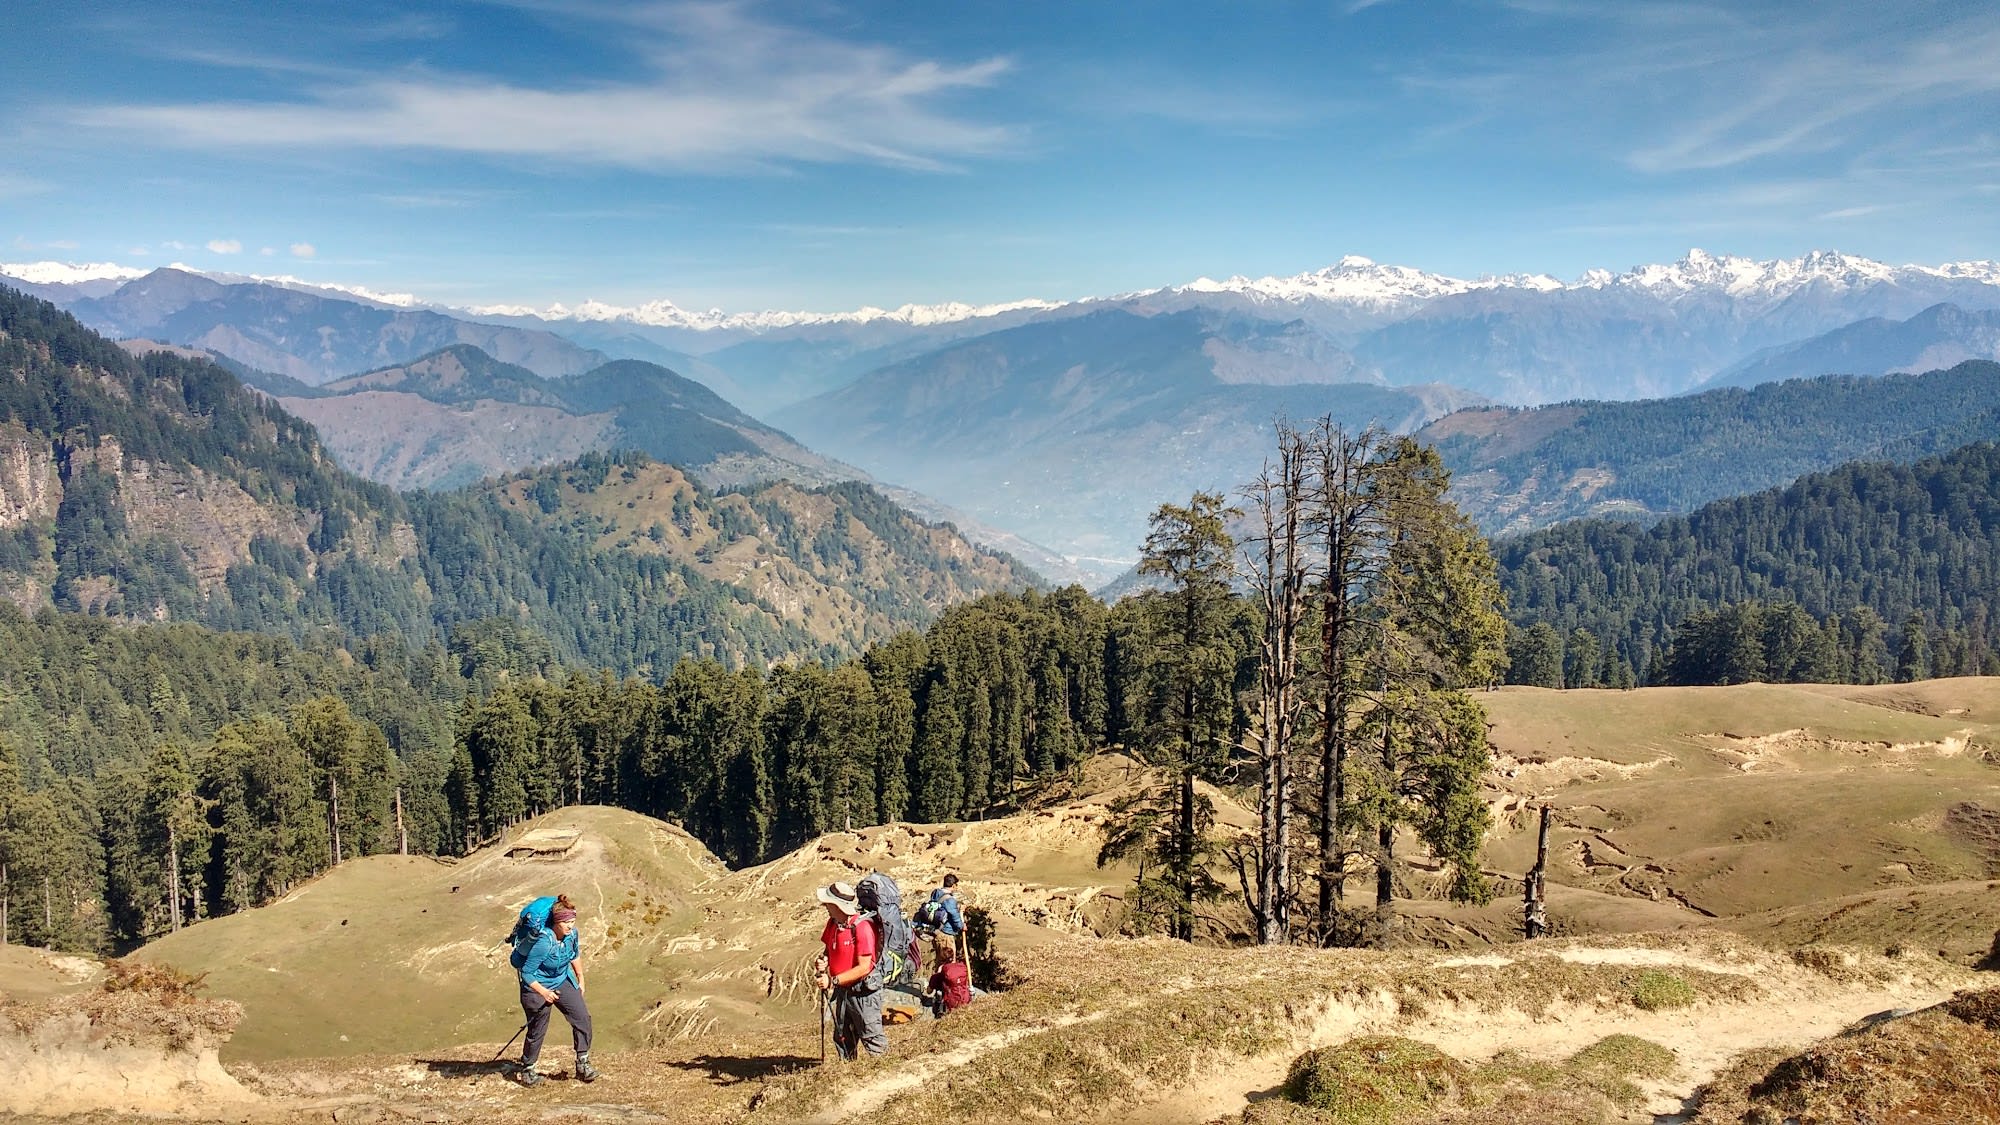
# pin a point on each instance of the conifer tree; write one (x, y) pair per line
(1190, 684)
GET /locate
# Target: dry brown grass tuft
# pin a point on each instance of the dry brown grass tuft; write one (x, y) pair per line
(140, 1003)
(1942, 1064)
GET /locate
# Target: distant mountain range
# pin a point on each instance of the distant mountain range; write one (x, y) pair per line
(1940, 336)
(308, 336)
(1522, 339)
(1067, 422)
(457, 415)
(159, 488)
(1072, 431)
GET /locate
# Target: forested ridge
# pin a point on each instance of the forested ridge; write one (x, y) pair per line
(159, 463)
(1873, 571)
(1520, 469)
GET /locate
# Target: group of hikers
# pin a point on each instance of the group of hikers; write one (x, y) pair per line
(870, 949)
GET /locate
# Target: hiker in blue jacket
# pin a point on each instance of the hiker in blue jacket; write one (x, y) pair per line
(549, 979)
(941, 913)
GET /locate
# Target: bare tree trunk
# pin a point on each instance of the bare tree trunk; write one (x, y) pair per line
(48, 914)
(1279, 576)
(333, 813)
(1385, 836)
(3, 903)
(1185, 911)
(1345, 517)
(402, 835)
(1385, 883)
(173, 878)
(1535, 906)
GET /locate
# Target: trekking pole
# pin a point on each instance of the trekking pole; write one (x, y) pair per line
(509, 1042)
(822, 1027)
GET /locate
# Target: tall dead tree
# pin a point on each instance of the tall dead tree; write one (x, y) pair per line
(1534, 893)
(1345, 517)
(1276, 568)
(333, 813)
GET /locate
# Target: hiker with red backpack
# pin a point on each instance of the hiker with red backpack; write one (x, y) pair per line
(951, 986)
(850, 969)
(546, 948)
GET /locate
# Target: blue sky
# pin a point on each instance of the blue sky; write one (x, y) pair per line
(829, 155)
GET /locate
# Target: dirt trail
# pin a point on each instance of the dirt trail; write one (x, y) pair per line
(859, 1101)
(1797, 1006)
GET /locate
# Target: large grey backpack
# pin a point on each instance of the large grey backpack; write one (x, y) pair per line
(897, 961)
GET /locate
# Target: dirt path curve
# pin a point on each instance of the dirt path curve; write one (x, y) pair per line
(1796, 1006)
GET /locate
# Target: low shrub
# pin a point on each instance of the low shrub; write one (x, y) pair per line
(1373, 1080)
(1656, 991)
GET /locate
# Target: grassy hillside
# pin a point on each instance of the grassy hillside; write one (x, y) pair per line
(839, 562)
(1730, 802)
(404, 952)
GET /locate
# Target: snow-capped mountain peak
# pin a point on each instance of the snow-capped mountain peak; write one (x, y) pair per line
(69, 273)
(1353, 280)
(665, 314)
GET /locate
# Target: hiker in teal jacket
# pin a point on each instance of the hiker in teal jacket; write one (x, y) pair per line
(549, 979)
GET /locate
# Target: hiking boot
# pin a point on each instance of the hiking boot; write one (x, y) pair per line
(584, 1071)
(527, 1075)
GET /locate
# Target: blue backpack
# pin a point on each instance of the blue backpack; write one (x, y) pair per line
(931, 915)
(529, 928)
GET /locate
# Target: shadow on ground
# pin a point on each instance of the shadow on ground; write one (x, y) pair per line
(467, 1068)
(727, 1070)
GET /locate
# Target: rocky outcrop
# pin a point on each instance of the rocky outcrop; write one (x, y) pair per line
(30, 486)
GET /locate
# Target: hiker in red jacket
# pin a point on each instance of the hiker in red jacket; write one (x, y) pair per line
(850, 957)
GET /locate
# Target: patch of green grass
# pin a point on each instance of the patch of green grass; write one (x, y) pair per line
(1375, 1080)
(1657, 991)
(1608, 1066)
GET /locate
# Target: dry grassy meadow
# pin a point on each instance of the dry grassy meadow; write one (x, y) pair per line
(1736, 875)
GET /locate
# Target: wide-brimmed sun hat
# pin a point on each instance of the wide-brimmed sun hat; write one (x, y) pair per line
(840, 896)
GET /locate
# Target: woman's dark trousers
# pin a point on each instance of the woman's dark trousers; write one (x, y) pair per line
(569, 1000)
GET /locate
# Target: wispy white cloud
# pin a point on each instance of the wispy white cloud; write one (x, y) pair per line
(31, 245)
(224, 246)
(1675, 87)
(1855, 212)
(829, 230)
(431, 199)
(17, 187)
(1221, 108)
(304, 250)
(727, 91)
